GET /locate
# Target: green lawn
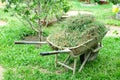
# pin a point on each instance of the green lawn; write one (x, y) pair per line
(22, 62)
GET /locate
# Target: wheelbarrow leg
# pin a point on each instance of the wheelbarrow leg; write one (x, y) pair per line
(68, 57)
(56, 56)
(84, 61)
(74, 67)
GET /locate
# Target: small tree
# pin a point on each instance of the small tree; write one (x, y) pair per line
(35, 12)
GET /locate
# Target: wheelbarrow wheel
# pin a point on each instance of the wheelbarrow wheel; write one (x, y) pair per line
(93, 54)
(91, 57)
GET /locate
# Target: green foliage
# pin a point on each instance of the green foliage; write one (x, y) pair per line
(115, 1)
(29, 8)
(96, 1)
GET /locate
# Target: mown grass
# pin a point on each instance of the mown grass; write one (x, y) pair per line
(22, 62)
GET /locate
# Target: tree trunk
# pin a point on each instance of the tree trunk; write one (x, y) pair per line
(39, 22)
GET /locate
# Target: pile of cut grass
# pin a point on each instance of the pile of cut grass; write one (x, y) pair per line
(77, 30)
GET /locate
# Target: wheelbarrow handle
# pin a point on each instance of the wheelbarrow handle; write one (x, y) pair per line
(30, 42)
(54, 52)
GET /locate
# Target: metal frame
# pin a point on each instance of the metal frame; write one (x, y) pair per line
(73, 68)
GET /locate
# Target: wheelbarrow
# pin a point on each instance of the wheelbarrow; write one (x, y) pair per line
(86, 51)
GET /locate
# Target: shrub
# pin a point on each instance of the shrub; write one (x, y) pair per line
(115, 1)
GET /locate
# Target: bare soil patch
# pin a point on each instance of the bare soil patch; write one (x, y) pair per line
(114, 31)
(88, 5)
(31, 38)
(74, 13)
(34, 38)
